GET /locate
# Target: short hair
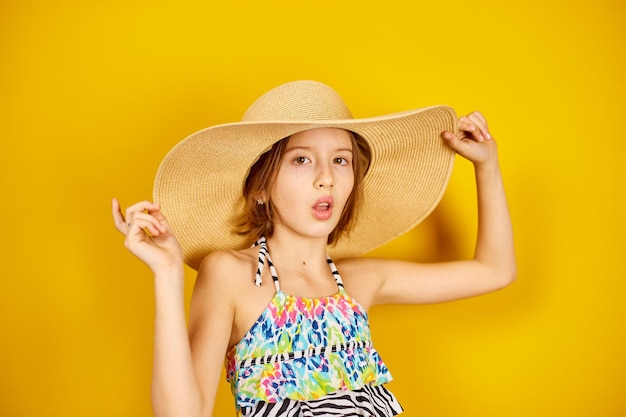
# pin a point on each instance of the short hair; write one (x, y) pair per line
(258, 219)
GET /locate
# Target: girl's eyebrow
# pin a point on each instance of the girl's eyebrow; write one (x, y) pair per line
(308, 148)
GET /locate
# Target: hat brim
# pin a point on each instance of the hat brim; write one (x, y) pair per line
(200, 181)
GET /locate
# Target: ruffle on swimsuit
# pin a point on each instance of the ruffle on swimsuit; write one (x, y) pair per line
(309, 354)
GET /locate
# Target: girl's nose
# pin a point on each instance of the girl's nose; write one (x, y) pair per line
(325, 178)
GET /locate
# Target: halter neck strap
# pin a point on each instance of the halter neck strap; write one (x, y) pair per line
(265, 254)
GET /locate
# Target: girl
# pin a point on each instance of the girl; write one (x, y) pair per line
(299, 178)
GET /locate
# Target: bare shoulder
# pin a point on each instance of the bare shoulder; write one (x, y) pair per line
(361, 278)
(225, 291)
(225, 270)
(352, 266)
(361, 266)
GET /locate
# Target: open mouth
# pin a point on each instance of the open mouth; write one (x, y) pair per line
(323, 208)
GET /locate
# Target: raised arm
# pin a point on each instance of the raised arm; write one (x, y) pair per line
(493, 265)
(494, 253)
(176, 390)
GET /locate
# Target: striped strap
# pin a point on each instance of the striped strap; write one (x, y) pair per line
(264, 254)
(335, 272)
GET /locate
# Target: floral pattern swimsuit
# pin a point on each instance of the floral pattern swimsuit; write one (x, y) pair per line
(309, 357)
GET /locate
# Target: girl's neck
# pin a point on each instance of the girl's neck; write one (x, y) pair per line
(296, 255)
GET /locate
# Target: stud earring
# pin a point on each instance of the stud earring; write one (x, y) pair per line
(259, 202)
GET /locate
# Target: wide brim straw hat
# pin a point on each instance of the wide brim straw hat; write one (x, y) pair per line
(199, 183)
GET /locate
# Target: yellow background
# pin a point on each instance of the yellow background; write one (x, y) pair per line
(93, 94)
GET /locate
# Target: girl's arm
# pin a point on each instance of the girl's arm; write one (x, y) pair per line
(493, 265)
(176, 390)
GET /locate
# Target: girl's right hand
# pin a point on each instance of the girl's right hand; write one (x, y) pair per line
(148, 235)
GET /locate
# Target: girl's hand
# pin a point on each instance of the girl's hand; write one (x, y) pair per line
(148, 235)
(473, 142)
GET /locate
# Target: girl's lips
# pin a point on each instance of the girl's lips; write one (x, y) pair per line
(323, 208)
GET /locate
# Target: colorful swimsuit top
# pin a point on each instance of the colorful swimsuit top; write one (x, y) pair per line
(303, 349)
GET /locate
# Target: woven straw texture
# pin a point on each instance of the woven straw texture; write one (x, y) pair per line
(199, 183)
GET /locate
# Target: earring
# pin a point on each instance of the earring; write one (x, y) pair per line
(259, 202)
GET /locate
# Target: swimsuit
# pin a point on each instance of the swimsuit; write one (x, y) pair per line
(309, 357)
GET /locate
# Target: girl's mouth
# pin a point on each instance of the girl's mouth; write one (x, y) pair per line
(323, 208)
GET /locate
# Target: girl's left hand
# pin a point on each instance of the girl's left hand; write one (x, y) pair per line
(473, 141)
(148, 235)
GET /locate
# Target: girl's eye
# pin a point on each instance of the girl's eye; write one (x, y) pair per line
(301, 160)
(341, 161)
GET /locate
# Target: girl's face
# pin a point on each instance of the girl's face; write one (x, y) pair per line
(314, 181)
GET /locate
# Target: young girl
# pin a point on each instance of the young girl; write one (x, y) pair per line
(258, 206)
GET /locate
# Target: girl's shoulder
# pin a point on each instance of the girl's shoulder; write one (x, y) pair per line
(361, 278)
(230, 258)
(225, 288)
(228, 269)
(356, 267)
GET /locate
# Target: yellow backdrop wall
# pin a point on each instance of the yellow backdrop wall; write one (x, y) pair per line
(93, 94)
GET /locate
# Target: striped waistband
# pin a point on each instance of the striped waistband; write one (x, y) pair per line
(288, 356)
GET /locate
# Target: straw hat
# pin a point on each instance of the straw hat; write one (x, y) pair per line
(199, 183)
